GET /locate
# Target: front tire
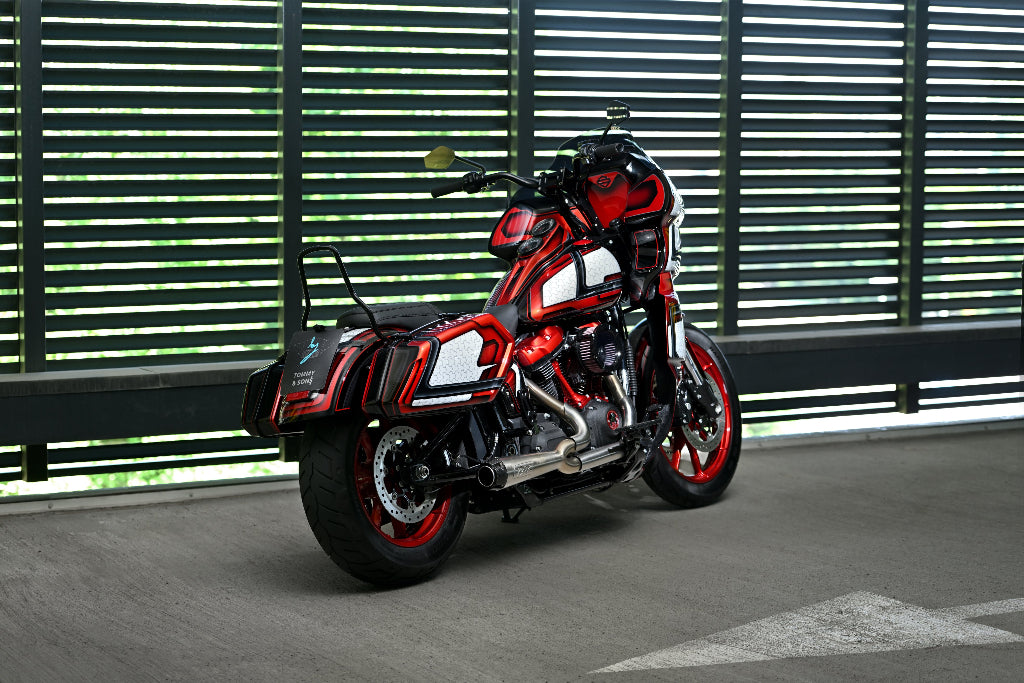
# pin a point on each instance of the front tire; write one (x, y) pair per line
(697, 460)
(372, 524)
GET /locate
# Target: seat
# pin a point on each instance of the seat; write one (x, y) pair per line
(407, 316)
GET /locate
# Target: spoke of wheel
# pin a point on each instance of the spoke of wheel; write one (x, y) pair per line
(377, 515)
(363, 480)
(695, 460)
(676, 458)
(400, 528)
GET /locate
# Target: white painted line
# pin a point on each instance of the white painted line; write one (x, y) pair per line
(852, 624)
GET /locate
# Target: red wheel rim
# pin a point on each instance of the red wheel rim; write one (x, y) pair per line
(677, 450)
(680, 452)
(390, 529)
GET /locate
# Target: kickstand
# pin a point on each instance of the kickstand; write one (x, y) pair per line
(508, 518)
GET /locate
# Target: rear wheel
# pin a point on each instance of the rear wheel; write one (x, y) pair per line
(355, 478)
(697, 459)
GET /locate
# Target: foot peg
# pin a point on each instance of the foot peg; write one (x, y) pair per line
(642, 439)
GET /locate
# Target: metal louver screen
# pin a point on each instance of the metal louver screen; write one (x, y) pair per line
(974, 194)
(820, 207)
(663, 58)
(381, 88)
(161, 170)
(160, 146)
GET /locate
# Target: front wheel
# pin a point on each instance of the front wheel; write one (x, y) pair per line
(697, 459)
(354, 478)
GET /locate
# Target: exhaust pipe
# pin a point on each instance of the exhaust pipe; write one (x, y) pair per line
(516, 469)
(569, 455)
(519, 468)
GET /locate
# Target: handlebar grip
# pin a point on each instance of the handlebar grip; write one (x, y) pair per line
(448, 188)
(608, 150)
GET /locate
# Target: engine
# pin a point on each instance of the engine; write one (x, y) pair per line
(570, 366)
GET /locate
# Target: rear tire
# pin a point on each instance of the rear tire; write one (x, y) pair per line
(365, 519)
(694, 465)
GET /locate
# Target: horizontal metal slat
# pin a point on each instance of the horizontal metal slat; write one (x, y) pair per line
(420, 61)
(141, 165)
(54, 144)
(129, 341)
(879, 32)
(868, 235)
(614, 84)
(570, 62)
(161, 11)
(318, 39)
(165, 298)
(114, 56)
(154, 78)
(96, 189)
(171, 209)
(646, 106)
(822, 87)
(392, 103)
(409, 18)
(615, 7)
(108, 362)
(86, 322)
(147, 275)
(423, 125)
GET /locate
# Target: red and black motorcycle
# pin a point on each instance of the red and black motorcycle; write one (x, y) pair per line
(411, 418)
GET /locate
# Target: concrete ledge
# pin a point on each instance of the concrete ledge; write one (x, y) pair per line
(124, 379)
(79, 405)
(144, 495)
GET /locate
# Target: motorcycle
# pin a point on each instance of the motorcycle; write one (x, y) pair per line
(411, 418)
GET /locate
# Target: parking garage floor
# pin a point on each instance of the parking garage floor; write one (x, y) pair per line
(894, 557)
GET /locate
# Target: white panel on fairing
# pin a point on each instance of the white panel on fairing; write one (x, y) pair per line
(598, 265)
(561, 287)
(458, 360)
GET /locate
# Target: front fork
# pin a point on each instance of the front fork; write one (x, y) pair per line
(669, 343)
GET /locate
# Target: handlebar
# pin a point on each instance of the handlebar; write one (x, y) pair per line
(474, 182)
(447, 188)
(605, 151)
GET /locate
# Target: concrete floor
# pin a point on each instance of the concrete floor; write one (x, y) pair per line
(825, 561)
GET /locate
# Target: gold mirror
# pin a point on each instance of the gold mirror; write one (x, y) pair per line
(439, 159)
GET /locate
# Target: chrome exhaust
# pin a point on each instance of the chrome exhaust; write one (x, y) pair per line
(516, 469)
(570, 455)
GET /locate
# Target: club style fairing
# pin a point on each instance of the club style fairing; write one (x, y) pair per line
(411, 417)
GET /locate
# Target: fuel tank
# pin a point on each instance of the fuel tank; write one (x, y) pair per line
(554, 273)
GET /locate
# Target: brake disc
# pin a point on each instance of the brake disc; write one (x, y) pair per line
(706, 440)
(399, 500)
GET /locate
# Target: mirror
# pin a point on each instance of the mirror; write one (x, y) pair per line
(439, 159)
(617, 112)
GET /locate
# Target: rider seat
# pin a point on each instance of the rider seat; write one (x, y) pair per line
(405, 315)
(411, 315)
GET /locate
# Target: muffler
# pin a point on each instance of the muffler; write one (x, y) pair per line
(570, 455)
